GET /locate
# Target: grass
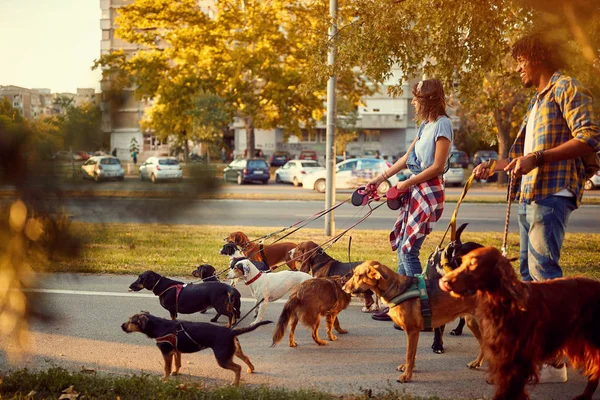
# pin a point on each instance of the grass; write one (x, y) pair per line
(50, 384)
(176, 249)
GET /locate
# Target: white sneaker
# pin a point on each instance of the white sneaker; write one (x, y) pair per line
(552, 374)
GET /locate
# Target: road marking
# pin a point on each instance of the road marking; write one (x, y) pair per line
(119, 294)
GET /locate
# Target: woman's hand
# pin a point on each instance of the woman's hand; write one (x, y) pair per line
(375, 182)
(482, 171)
(404, 185)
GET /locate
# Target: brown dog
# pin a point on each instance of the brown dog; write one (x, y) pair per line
(307, 303)
(528, 323)
(314, 261)
(269, 254)
(371, 275)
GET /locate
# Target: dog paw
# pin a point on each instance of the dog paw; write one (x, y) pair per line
(437, 349)
(474, 364)
(401, 367)
(333, 338)
(341, 331)
(321, 342)
(250, 370)
(404, 378)
(455, 332)
(293, 344)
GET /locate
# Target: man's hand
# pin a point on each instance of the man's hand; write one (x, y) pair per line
(521, 165)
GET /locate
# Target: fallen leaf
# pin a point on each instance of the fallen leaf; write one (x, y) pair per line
(30, 395)
(69, 394)
(85, 370)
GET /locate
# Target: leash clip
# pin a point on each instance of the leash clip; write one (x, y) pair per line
(363, 195)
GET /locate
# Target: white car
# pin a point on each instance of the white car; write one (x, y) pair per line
(102, 168)
(454, 176)
(593, 182)
(294, 171)
(351, 174)
(161, 168)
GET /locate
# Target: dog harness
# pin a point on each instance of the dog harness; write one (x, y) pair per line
(178, 287)
(254, 279)
(417, 289)
(173, 338)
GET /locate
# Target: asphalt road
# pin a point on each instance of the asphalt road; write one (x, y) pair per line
(87, 334)
(282, 213)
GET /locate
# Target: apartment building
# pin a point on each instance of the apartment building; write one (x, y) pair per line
(31, 103)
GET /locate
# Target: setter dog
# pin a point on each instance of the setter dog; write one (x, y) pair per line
(269, 254)
(527, 324)
(307, 303)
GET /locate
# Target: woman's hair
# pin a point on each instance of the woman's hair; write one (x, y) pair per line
(432, 102)
(537, 50)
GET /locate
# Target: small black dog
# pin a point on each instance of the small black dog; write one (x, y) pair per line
(177, 297)
(206, 273)
(452, 255)
(233, 252)
(176, 337)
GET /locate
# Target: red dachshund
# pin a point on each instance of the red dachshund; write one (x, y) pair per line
(269, 254)
(527, 324)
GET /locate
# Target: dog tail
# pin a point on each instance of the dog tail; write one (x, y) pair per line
(284, 318)
(241, 331)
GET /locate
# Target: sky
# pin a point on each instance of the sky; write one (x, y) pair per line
(50, 44)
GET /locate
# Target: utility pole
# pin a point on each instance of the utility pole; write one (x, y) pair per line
(330, 155)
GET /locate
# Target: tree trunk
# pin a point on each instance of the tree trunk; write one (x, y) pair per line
(249, 136)
(186, 150)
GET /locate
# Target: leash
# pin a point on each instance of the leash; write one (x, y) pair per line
(511, 181)
(245, 315)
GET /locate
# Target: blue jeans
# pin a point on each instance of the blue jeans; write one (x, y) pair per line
(542, 227)
(409, 263)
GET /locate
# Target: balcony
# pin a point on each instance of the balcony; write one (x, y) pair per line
(105, 24)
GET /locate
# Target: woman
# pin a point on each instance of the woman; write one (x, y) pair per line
(427, 158)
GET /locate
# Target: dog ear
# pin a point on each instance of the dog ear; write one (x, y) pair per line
(509, 281)
(246, 269)
(142, 321)
(373, 273)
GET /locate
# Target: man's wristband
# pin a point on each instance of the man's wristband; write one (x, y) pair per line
(539, 157)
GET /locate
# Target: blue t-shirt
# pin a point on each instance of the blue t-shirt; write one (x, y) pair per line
(422, 154)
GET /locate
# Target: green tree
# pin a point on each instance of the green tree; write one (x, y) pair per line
(465, 44)
(82, 127)
(255, 56)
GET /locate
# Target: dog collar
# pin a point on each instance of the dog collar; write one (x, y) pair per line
(253, 279)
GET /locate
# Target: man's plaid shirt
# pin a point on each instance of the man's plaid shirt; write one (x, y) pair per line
(565, 111)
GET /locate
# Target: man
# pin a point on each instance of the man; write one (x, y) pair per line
(545, 160)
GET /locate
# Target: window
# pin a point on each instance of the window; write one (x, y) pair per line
(168, 161)
(308, 164)
(372, 136)
(349, 166)
(307, 137)
(109, 161)
(257, 164)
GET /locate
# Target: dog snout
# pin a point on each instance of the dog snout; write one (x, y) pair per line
(196, 273)
(124, 327)
(136, 286)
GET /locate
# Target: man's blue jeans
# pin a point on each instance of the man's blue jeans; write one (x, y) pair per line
(542, 228)
(409, 263)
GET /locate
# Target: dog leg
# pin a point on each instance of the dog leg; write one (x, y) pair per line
(459, 328)
(177, 356)
(261, 311)
(473, 325)
(237, 370)
(315, 333)
(412, 340)
(168, 357)
(329, 320)
(240, 354)
(216, 317)
(338, 328)
(590, 388)
(438, 341)
(293, 323)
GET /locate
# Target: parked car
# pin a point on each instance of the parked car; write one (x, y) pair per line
(351, 174)
(279, 158)
(244, 170)
(64, 155)
(455, 176)
(308, 155)
(294, 171)
(459, 157)
(593, 182)
(102, 168)
(484, 155)
(82, 155)
(161, 168)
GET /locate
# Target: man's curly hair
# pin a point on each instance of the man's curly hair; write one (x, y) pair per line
(537, 50)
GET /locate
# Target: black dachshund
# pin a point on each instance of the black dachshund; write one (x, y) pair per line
(177, 297)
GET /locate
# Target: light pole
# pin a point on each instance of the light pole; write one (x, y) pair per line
(330, 134)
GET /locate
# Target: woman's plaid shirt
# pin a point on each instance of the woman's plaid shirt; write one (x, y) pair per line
(565, 111)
